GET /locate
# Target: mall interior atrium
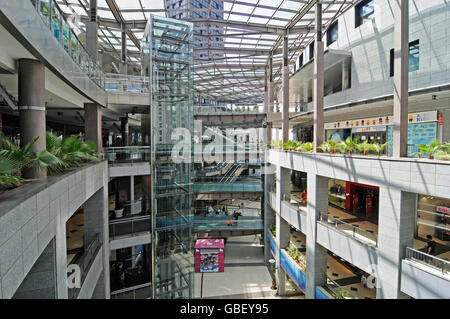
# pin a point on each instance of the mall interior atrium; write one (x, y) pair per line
(224, 149)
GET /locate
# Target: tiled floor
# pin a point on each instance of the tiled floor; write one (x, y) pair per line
(239, 280)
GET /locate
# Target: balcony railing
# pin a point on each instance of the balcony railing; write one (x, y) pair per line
(226, 110)
(123, 83)
(129, 226)
(143, 291)
(84, 261)
(428, 260)
(334, 289)
(127, 155)
(54, 18)
(350, 230)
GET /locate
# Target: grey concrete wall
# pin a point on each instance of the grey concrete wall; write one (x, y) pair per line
(420, 284)
(32, 215)
(138, 169)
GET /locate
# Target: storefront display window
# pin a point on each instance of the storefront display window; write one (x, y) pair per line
(337, 193)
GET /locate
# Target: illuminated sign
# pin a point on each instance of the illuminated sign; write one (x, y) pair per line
(442, 209)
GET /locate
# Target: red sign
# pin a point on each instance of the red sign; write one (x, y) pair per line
(442, 209)
(441, 119)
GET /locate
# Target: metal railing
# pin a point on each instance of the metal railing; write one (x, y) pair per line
(429, 260)
(124, 83)
(226, 110)
(294, 203)
(127, 155)
(129, 226)
(84, 261)
(336, 290)
(143, 291)
(349, 229)
(54, 18)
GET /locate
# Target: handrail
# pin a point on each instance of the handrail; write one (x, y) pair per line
(429, 260)
(70, 42)
(116, 294)
(333, 286)
(339, 224)
(129, 226)
(84, 261)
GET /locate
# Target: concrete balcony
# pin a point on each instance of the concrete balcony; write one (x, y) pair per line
(425, 276)
(128, 161)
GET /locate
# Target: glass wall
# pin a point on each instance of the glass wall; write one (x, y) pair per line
(168, 59)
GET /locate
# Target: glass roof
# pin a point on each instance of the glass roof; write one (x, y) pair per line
(234, 38)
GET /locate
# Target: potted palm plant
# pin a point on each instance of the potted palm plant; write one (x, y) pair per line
(431, 149)
(351, 144)
(378, 148)
(364, 147)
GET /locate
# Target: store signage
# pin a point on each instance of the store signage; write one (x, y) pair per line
(420, 117)
(442, 209)
(441, 119)
(369, 129)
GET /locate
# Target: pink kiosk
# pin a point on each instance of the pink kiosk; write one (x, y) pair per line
(209, 255)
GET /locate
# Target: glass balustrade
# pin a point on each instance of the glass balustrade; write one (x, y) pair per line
(54, 18)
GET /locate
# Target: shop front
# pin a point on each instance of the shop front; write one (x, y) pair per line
(357, 199)
(422, 129)
(209, 255)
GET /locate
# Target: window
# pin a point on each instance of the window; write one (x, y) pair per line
(364, 12)
(300, 61)
(332, 33)
(414, 60)
(311, 51)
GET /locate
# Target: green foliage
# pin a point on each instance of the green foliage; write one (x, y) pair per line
(434, 149)
(378, 148)
(364, 147)
(351, 145)
(273, 229)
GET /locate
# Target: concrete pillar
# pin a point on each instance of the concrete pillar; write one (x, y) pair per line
(96, 223)
(131, 188)
(125, 130)
(32, 110)
(124, 54)
(316, 255)
(285, 90)
(92, 32)
(396, 225)
(318, 80)
(345, 75)
(282, 226)
(269, 214)
(93, 124)
(401, 72)
(40, 282)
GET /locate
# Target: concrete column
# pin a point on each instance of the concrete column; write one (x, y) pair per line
(131, 188)
(285, 90)
(125, 130)
(92, 32)
(401, 72)
(396, 227)
(345, 75)
(40, 282)
(282, 226)
(269, 214)
(124, 53)
(93, 124)
(96, 223)
(318, 80)
(316, 255)
(32, 110)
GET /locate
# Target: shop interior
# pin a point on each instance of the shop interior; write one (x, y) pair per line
(433, 219)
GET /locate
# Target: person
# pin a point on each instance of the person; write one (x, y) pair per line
(431, 246)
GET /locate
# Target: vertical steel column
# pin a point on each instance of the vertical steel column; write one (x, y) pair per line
(318, 80)
(285, 90)
(401, 70)
(92, 32)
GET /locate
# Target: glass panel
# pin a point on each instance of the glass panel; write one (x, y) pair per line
(44, 10)
(65, 34)
(56, 21)
(414, 56)
(74, 46)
